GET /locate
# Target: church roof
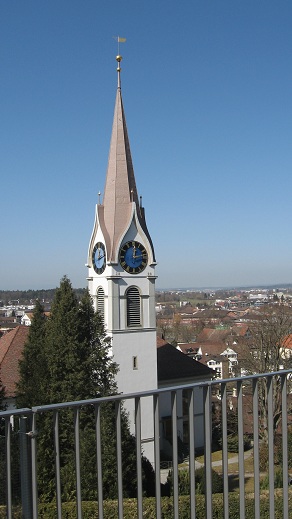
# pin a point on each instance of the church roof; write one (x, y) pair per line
(120, 187)
(175, 365)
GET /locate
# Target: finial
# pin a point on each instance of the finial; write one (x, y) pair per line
(119, 59)
(99, 193)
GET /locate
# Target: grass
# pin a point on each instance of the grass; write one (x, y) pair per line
(233, 469)
(216, 456)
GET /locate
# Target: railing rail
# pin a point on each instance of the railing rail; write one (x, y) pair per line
(29, 463)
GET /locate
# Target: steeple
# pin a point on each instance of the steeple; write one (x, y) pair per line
(121, 275)
(120, 191)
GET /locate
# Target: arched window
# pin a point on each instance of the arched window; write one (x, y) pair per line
(100, 301)
(133, 307)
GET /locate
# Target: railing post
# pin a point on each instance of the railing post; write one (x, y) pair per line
(138, 456)
(285, 447)
(57, 464)
(240, 449)
(157, 455)
(118, 409)
(77, 462)
(174, 454)
(8, 467)
(208, 451)
(224, 449)
(271, 446)
(98, 460)
(192, 462)
(25, 469)
(34, 467)
(256, 446)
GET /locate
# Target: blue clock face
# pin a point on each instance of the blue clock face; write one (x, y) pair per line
(99, 258)
(133, 257)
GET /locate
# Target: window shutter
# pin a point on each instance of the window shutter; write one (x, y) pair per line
(133, 307)
(100, 301)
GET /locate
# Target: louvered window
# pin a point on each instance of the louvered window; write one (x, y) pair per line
(100, 301)
(133, 307)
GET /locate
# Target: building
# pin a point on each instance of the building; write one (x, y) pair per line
(121, 280)
(11, 348)
(174, 368)
(121, 274)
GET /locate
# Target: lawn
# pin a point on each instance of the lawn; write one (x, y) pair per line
(233, 469)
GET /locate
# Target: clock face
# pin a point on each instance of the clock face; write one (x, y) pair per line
(99, 257)
(133, 257)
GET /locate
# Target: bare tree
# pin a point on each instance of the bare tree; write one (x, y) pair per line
(265, 352)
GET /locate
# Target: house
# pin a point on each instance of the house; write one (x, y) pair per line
(175, 368)
(26, 319)
(219, 364)
(190, 349)
(286, 348)
(7, 324)
(11, 348)
(213, 345)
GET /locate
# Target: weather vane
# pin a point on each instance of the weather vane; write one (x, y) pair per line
(119, 40)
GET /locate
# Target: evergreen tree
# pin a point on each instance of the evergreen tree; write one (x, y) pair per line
(94, 352)
(62, 347)
(78, 367)
(32, 366)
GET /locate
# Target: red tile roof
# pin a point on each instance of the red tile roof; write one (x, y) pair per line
(212, 334)
(287, 342)
(11, 348)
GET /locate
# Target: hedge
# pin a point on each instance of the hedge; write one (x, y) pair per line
(90, 509)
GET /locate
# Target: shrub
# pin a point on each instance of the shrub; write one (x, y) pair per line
(232, 443)
(278, 480)
(89, 509)
(184, 482)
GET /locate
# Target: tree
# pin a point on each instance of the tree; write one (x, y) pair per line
(33, 366)
(94, 348)
(78, 367)
(264, 352)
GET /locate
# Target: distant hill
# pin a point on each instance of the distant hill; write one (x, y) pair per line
(278, 286)
(26, 297)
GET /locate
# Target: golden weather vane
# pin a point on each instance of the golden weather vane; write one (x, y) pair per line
(119, 40)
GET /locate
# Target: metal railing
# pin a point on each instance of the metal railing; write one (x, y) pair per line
(26, 424)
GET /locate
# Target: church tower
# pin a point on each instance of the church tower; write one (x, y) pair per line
(121, 274)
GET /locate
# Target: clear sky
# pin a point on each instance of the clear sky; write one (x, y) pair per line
(207, 93)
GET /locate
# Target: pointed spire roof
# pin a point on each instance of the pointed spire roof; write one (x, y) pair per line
(120, 186)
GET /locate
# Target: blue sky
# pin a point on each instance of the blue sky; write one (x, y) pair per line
(207, 93)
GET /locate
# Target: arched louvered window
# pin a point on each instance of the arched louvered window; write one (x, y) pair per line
(100, 301)
(133, 307)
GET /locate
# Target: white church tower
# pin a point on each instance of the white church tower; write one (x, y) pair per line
(121, 274)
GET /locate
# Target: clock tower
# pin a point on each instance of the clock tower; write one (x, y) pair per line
(121, 275)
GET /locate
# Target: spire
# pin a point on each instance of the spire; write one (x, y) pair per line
(120, 186)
